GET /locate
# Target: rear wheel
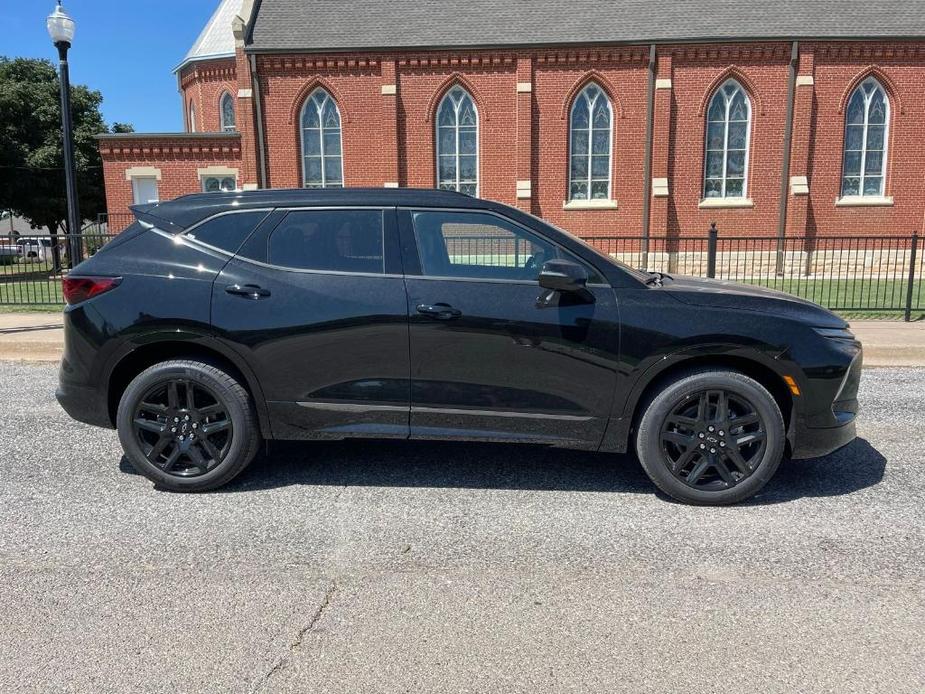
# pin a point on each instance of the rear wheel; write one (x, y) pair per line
(187, 425)
(711, 437)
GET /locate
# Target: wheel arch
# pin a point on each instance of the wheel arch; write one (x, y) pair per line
(749, 366)
(209, 351)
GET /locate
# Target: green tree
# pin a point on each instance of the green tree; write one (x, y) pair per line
(31, 150)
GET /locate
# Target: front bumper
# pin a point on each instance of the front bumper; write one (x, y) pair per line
(813, 442)
(835, 427)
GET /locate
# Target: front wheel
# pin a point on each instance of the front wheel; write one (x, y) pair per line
(711, 437)
(187, 425)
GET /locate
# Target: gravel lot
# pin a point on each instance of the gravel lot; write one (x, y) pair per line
(366, 567)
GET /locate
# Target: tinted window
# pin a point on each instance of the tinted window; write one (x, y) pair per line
(334, 240)
(228, 231)
(482, 246)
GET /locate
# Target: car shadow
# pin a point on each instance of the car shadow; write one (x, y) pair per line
(538, 468)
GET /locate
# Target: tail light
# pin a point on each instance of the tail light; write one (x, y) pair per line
(77, 289)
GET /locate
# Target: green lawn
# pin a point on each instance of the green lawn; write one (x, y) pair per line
(860, 298)
(32, 290)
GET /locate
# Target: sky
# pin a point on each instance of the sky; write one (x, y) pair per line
(126, 49)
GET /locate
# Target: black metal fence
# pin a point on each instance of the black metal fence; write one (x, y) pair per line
(850, 274)
(881, 275)
(32, 265)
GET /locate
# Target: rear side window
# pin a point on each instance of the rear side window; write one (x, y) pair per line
(228, 231)
(331, 240)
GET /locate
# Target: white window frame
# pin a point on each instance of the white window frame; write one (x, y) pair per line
(720, 92)
(309, 101)
(456, 126)
(863, 151)
(135, 193)
(226, 127)
(582, 99)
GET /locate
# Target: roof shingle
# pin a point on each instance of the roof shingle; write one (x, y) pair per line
(319, 25)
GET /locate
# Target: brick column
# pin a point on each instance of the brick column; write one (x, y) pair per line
(661, 138)
(245, 121)
(524, 89)
(798, 205)
(389, 132)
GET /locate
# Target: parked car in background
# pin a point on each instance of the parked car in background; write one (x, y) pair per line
(217, 320)
(35, 248)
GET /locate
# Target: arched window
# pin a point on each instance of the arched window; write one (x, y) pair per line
(322, 163)
(226, 110)
(728, 126)
(192, 117)
(590, 127)
(866, 123)
(458, 143)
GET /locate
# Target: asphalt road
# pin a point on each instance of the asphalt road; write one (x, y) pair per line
(394, 567)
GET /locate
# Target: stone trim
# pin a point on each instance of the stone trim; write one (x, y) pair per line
(589, 205)
(524, 87)
(663, 83)
(659, 187)
(142, 172)
(245, 93)
(805, 81)
(389, 89)
(730, 203)
(864, 201)
(799, 185)
(390, 184)
(524, 189)
(217, 171)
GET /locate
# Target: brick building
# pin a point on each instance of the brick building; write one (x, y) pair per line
(618, 118)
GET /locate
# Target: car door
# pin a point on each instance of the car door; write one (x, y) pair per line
(315, 301)
(489, 359)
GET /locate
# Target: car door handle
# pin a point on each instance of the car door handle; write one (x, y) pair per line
(439, 311)
(251, 291)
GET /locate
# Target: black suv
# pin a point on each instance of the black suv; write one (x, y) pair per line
(221, 319)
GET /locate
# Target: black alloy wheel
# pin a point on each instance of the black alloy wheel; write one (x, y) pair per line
(713, 439)
(711, 436)
(183, 428)
(188, 425)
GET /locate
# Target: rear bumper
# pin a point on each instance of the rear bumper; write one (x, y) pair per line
(813, 443)
(83, 404)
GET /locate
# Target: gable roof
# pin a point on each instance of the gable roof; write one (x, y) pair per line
(216, 39)
(338, 25)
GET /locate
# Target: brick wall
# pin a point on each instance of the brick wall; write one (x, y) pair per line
(177, 159)
(203, 84)
(387, 103)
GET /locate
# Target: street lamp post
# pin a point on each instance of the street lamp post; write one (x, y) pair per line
(61, 30)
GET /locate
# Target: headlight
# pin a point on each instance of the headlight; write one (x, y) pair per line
(836, 334)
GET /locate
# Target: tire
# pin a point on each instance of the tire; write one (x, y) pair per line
(697, 464)
(187, 445)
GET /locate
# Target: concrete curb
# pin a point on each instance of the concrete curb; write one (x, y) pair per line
(39, 338)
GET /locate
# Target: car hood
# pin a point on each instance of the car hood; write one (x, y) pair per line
(697, 291)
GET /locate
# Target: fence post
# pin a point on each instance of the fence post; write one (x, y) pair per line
(911, 281)
(711, 250)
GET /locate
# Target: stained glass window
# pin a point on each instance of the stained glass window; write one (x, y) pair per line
(458, 143)
(727, 139)
(590, 128)
(322, 162)
(866, 121)
(226, 106)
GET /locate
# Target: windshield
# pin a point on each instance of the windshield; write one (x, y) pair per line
(638, 274)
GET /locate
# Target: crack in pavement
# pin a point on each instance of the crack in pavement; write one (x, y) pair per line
(283, 660)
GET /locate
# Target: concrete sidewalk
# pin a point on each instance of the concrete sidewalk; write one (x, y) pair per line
(38, 337)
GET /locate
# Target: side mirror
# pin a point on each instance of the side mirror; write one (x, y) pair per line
(563, 276)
